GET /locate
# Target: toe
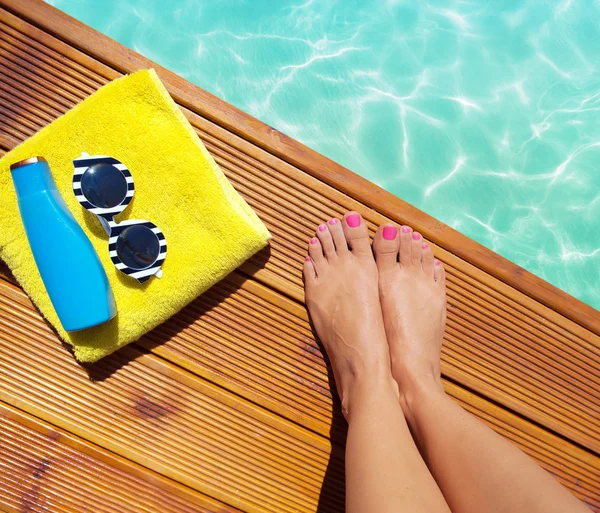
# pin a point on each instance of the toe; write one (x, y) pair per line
(427, 259)
(357, 234)
(337, 234)
(439, 273)
(405, 245)
(385, 246)
(326, 240)
(315, 252)
(415, 250)
(309, 274)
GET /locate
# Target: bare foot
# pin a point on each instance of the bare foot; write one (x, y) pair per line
(340, 279)
(412, 289)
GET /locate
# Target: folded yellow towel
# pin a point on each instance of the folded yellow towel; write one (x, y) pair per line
(209, 228)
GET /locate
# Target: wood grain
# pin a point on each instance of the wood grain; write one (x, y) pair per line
(500, 342)
(228, 423)
(154, 413)
(45, 468)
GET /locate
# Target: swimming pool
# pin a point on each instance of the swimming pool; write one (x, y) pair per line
(485, 115)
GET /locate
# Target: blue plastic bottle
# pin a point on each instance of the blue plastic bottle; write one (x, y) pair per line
(70, 268)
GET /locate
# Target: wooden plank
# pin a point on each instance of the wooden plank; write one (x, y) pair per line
(261, 135)
(45, 468)
(76, 400)
(499, 342)
(160, 416)
(230, 370)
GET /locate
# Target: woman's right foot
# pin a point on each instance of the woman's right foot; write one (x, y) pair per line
(340, 280)
(412, 291)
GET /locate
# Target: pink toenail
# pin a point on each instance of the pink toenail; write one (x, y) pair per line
(314, 240)
(390, 232)
(416, 236)
(307, 259)
(322, 227)
(353, 220)
(437, 262)
(406, 229)
(333, 221)
(425, 246)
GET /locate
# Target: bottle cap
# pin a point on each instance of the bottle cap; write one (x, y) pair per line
(30, 160)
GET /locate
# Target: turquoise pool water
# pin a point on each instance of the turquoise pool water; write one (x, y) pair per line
(486, 115)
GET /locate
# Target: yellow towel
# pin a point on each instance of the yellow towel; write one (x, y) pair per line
(210, 229)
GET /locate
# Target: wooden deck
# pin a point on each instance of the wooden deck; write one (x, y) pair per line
(227, 406)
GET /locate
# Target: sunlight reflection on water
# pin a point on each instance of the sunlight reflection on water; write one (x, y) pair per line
(484, 114)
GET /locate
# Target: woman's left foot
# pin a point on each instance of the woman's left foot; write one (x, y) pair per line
(412, 289)
(341, 287)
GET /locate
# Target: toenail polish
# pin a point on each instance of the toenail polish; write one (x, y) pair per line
(437, 262)
(353, 220)
(322, 227)
(425, 246)
(314, 240)
(333, 221)
(406, 229)
(416, 236)
(307, 259)
(390, 232)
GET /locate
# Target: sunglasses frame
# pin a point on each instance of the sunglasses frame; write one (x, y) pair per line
(107, 215)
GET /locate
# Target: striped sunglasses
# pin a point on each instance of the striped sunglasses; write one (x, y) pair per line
(104, 186)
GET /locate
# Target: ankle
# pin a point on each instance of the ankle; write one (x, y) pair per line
(364, 388)
(414, 391)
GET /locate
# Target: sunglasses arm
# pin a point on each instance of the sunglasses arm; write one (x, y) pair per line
(105, 225)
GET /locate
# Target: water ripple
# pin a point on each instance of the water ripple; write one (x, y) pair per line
(483, 114)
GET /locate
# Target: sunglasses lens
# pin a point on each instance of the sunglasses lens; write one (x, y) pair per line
(104, 186)
(138, 247)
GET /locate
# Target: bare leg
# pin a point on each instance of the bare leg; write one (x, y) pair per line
(384, 470)
(477, 470)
